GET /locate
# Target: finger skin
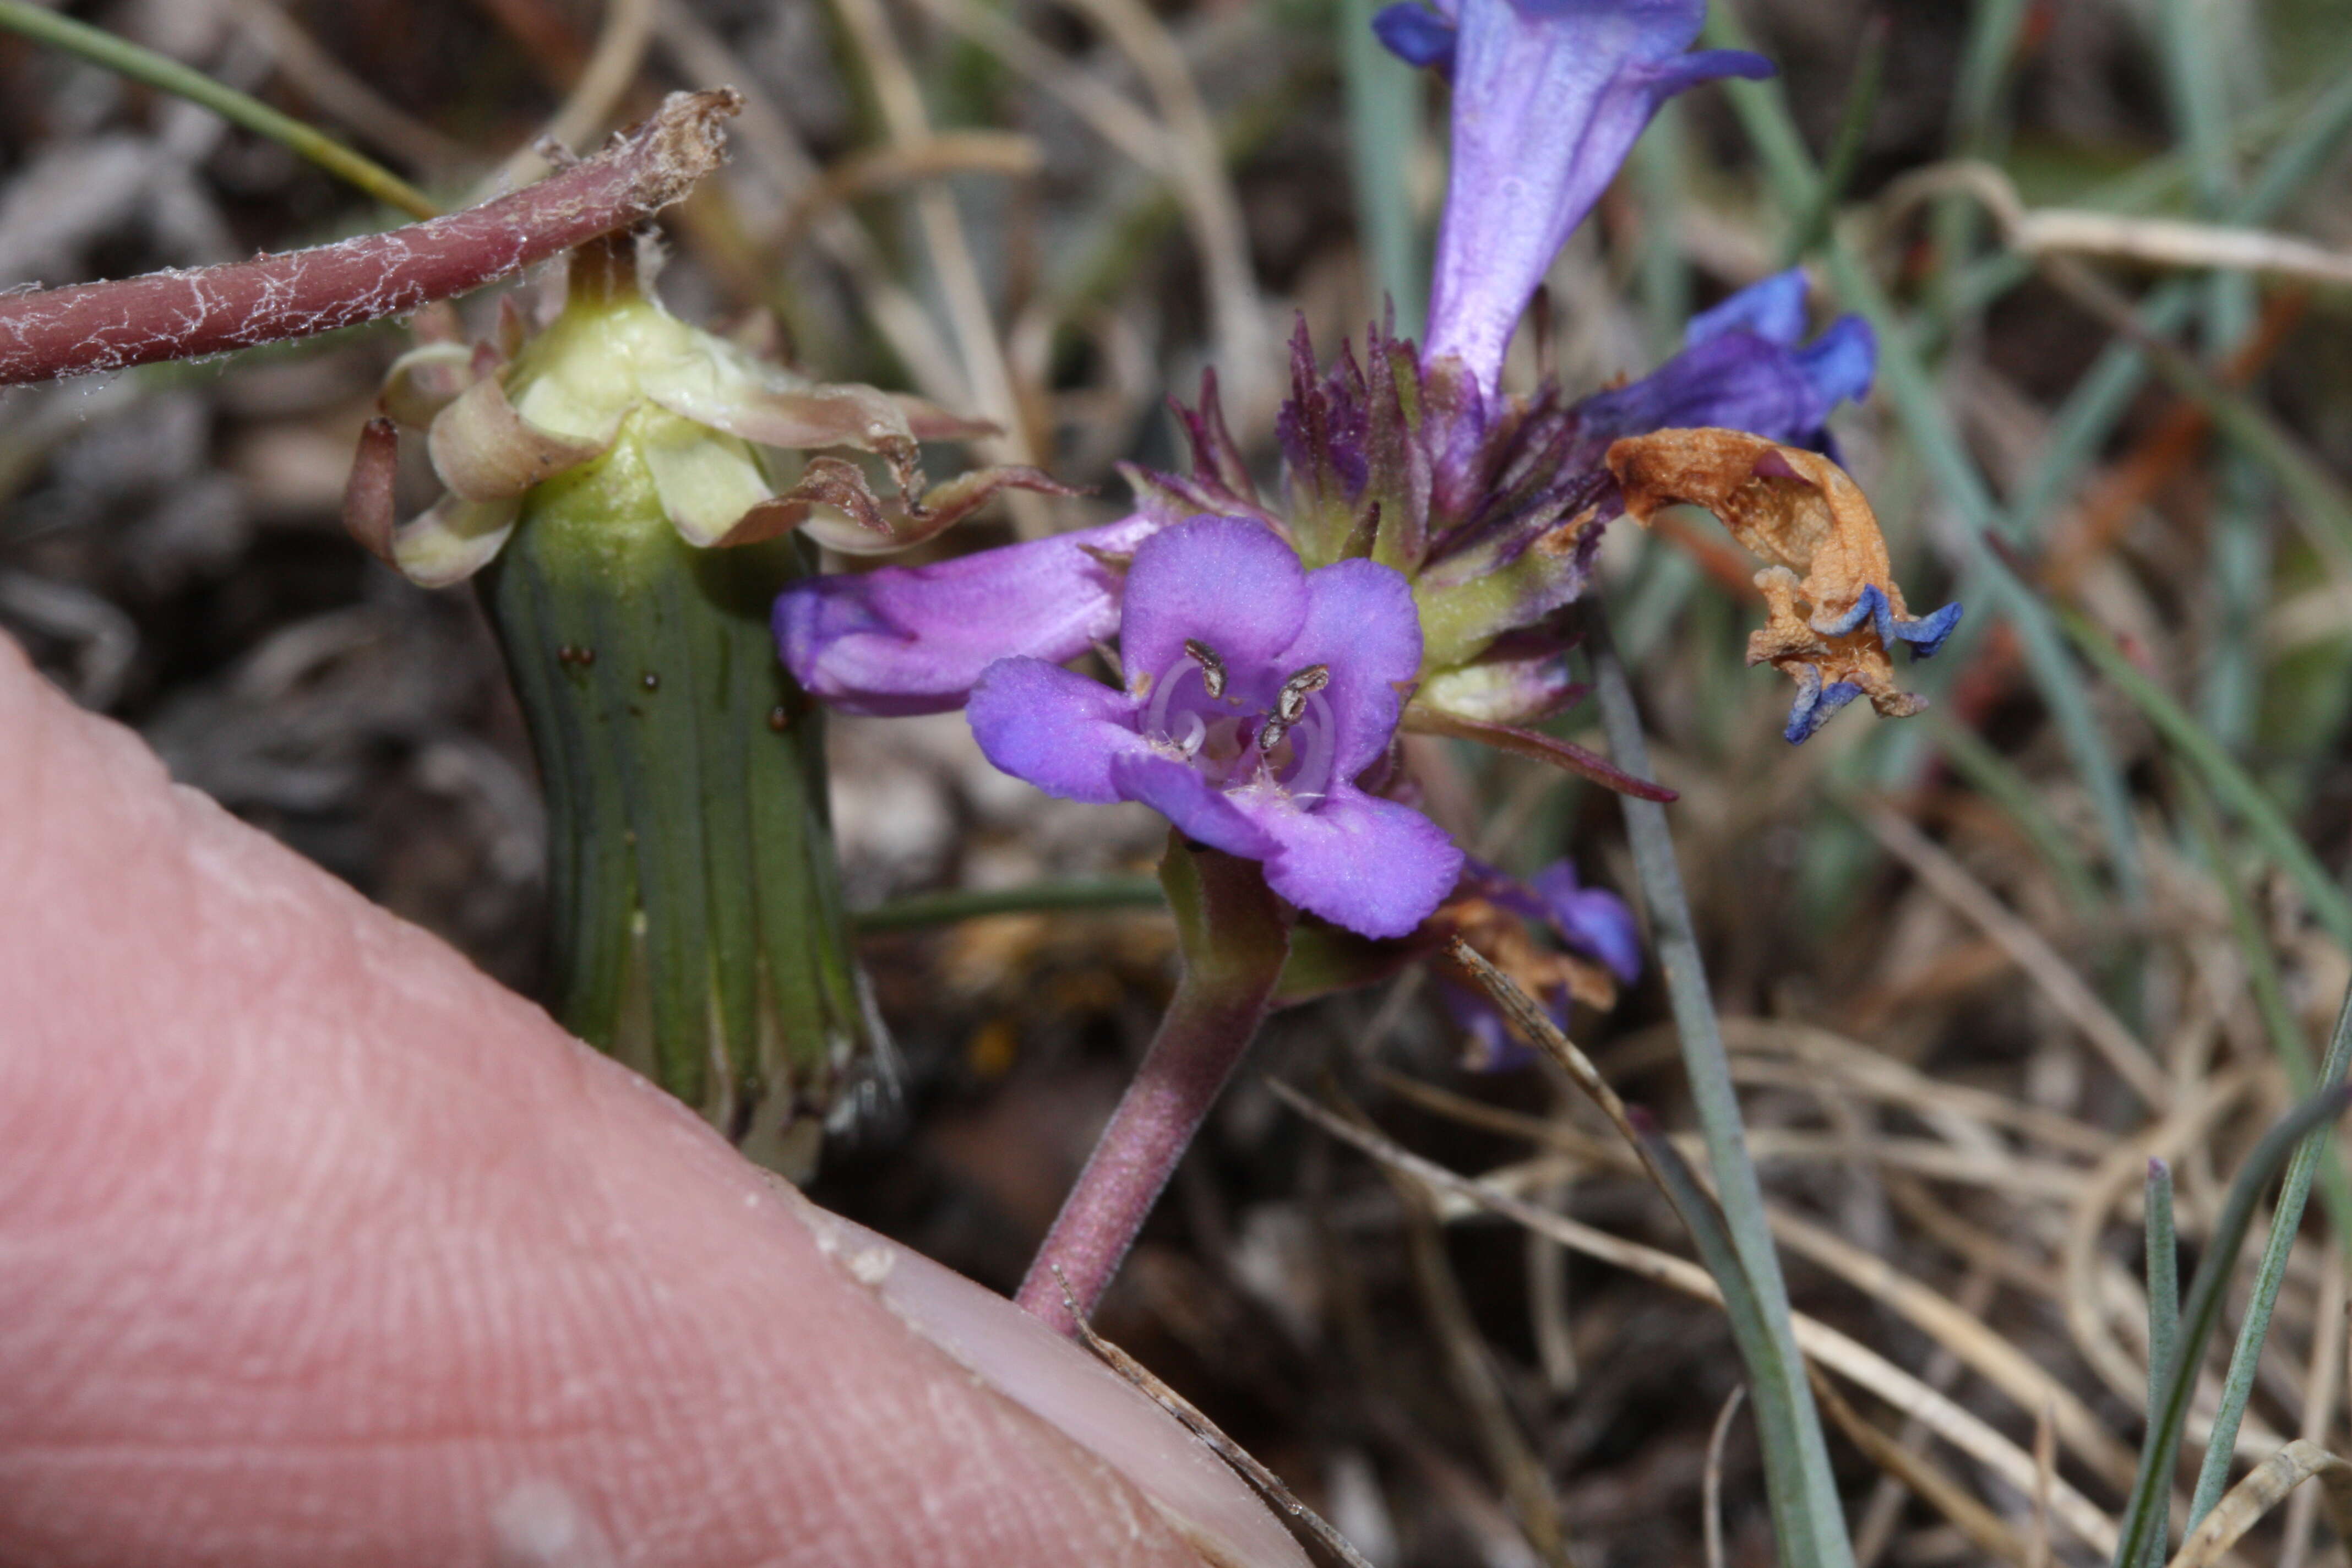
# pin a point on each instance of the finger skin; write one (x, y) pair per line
(317, 1246)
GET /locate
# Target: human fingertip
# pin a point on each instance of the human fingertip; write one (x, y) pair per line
(1060, 1384)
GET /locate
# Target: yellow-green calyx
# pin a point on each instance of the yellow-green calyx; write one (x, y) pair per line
(705, 417)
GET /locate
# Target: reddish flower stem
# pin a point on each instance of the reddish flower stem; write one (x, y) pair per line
(181, 315)
(1235, 936)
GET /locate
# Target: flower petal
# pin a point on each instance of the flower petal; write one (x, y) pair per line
(1200, 811)
(1737, 381)
(1227, 582)
(915, 639)
(453, 540)
(1416, 35)
(1370, 865)
(1057, 730)
(1363, 626)
(1549, 96)
(1773, 309)
(1591, 920)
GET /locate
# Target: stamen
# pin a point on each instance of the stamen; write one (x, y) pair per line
(1213, 669)
(1195, 731)
(1290, 704)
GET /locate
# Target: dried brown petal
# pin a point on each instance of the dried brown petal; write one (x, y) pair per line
(943, 505)
(426, 380)
(484, 450)
(930, 422)
(367, 494)
(870, 526)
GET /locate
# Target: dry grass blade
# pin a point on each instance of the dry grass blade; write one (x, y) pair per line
(2318, 1400)
(2066, 989)
(619, 55)
(2250, 1499)
(1981, 1348)
(1711, 1484)
(1926, 1481)
(1539, 1031)
(2156, 242)
(1006, 152)
(1964, 1430)
(1269, 1485)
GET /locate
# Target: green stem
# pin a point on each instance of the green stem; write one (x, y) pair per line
(1803, 1489)
(1033, 897)
(127, 59)
(1234, 937)
(2163, 1304)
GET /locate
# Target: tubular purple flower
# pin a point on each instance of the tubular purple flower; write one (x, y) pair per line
(915, 639)
(1256, 692)
(1745, 365)
(1549, 97)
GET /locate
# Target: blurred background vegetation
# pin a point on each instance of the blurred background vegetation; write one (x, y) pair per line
(1975, 967)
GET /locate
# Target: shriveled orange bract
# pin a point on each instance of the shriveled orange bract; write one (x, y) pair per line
(1831, 603)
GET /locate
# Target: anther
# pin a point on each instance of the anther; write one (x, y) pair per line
(1213, 669)
(1290, 703)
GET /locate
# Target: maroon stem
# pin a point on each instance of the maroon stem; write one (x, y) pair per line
(1235, 935)
(181, 315)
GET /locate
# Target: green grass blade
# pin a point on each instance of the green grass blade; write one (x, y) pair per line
(1802, 1488)
(1383, 125)
(2144, 1514)
(2163, 1306)
(122, 55)
(2237, 789)
(1033, 897)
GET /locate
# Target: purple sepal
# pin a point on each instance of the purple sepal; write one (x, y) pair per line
(1549, 97)
(914, 639)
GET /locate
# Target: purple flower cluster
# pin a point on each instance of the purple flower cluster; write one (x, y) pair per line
(1433, 530)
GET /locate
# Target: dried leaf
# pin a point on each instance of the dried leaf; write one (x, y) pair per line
(2264, 1488)
(1833, 610)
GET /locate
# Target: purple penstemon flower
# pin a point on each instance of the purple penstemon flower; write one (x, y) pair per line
(1549, 98)
(1257, 694)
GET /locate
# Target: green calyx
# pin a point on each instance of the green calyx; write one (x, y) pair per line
(698, 927)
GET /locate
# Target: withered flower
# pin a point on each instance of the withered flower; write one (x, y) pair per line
(1833, 628)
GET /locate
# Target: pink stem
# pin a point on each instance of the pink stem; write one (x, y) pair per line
(1235, 937)
(181, 315)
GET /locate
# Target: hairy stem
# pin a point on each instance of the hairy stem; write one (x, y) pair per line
(181, 315)
(1234, 937)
